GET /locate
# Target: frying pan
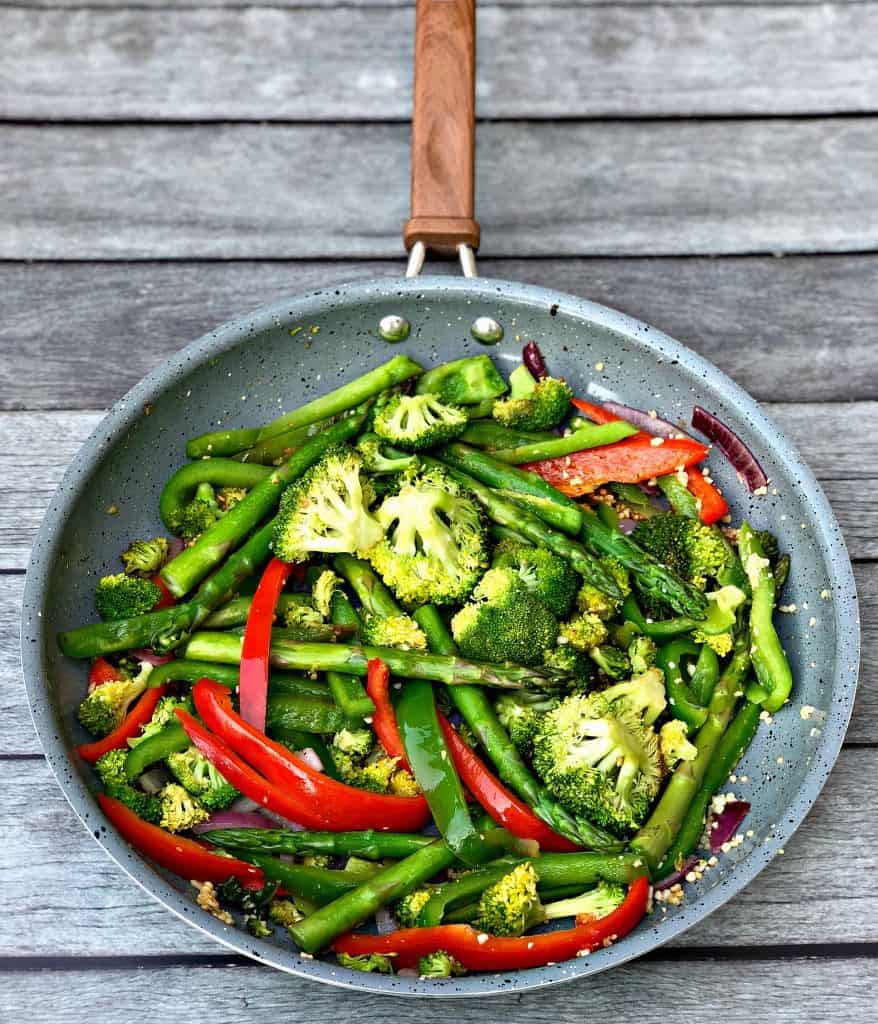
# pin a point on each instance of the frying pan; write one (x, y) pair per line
(244, 372)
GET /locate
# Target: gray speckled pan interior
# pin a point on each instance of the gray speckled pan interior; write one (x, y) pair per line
(246, 372)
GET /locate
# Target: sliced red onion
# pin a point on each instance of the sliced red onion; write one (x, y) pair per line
(725, 824)
(385, 922)
(643, 421)
(243, 804)
(150, 657)
(676, 876)
(533, 360)
(311, 758)
(627, 525)
(291, 826)
(234, 819)
(407, 972)
(731, 446)
(175, 546)
(650, 490)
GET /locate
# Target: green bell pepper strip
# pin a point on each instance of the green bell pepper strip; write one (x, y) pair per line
(663, 825)
(157, 747)
(682, 702)
(372, 844)
(706, 675)
(681, 499)
(235, 612)
(195, 562)
(662, 630)
(633, 498)
(433, 767)
(592, 436)
(347, 691)
(319, 885)
(186, 671)
(181, 487)
(775, 678)
(608, 515)
(491, 435)
(306, 714)
(728, 752)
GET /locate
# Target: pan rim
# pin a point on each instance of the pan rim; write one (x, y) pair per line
(234, 332)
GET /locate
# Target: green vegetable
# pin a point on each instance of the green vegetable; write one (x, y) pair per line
(122, 596)
(274, 450)
(520, 714)
(171, 739)
(184, 670)
(179, 809)
(631, 498)
(234, 613)
(111, 772)
(146, 556)
(548, 577)
(181, 488)
(466, 381)
(680, 498)
(105, 707)
(371, 963)
(320, 886)
(584, 632)
(682, 700)
(377, 462)
(417, 422)
(440, 965)
(533, 404)
(775, 679)
(307, 714)
(592, 436)
(372, 844)
(347, 691)
(490, 435)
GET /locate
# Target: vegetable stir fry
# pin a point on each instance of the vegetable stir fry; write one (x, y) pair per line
(472, 656)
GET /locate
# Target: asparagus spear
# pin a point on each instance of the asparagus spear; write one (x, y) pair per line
(285, 654)
(368, 843)
(235, 612)
(374, 595)
(195, 562)
(221, 443)
(347, 690)
(592, 435)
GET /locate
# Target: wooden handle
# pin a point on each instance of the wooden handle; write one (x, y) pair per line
(444, 127)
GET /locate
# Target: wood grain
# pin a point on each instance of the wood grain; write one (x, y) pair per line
(95, 910)
(560, 189)
(535, 61)
(798, 328)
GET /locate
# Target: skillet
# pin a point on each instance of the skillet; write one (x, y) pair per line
(280, 356)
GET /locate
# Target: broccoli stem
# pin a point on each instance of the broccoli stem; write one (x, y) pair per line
(590, 436)
(651, 576)
(506, 514)
(317, 930)
(287, 654)
(235, 612)
(492, 435)
(348, 396)
(663, 825)
(369, 843)
(347, 691)
(728, 752)
(181, 487)
(195, 562)
(374, 596)
(479, 715)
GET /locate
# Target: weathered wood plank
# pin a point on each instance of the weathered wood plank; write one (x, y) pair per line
(365, 4)
(799, 328)
(611, 188)
(94, 910)
(539, 62)
(35, 448)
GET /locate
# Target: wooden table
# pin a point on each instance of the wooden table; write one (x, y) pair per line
(165, 166)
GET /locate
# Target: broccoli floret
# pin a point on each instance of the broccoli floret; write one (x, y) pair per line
(376, 462)
(374, 776)
(326, 584)
(720, 643)
(584, 631)
(550, 578)
(228, 497)
(408, 909)
(198, 515)
(316, 860)
(601, 764)
(146, 556)
(111, 771)
(694, 551)
(641, 653)
(106, 705)
(199, 777)
(533, 404)
(590, 906)
(180, 810)
(590, 599)
(722, 607)
(395, 631)
(122, 596)
(284, 912)
(565, 658)
(614, 664)
(504, 622)
(674, 743)
(510, 906)
(403, 783)
(440, 965)
(520, 714)
(305, 620)
(255, 904)
(356, 743)
(370, 963)
(163, 715)
(326, 511)
(436, 543)
(418, 422)
(466, 381)
(642, 696)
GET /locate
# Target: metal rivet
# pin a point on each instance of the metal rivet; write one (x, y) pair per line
(394, 328)
(486, 330)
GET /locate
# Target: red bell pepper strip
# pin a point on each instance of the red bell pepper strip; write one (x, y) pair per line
(712, 506)
(184, 857)
(500, 803)
(342, 808)
(384, 717)
(596, 413)
(480, 952)
(253, 687)
(131, 725)
(102, 672)
(631, 461)
(167, 600)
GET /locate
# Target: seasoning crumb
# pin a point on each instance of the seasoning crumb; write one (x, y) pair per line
(780, 760)
(787, 609)
(112, 510)
(599, 367)
(824, 594)
(657, 442)
(812, 622)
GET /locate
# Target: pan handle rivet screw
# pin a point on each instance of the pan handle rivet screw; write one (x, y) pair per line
(394, 328)
(486, 330)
